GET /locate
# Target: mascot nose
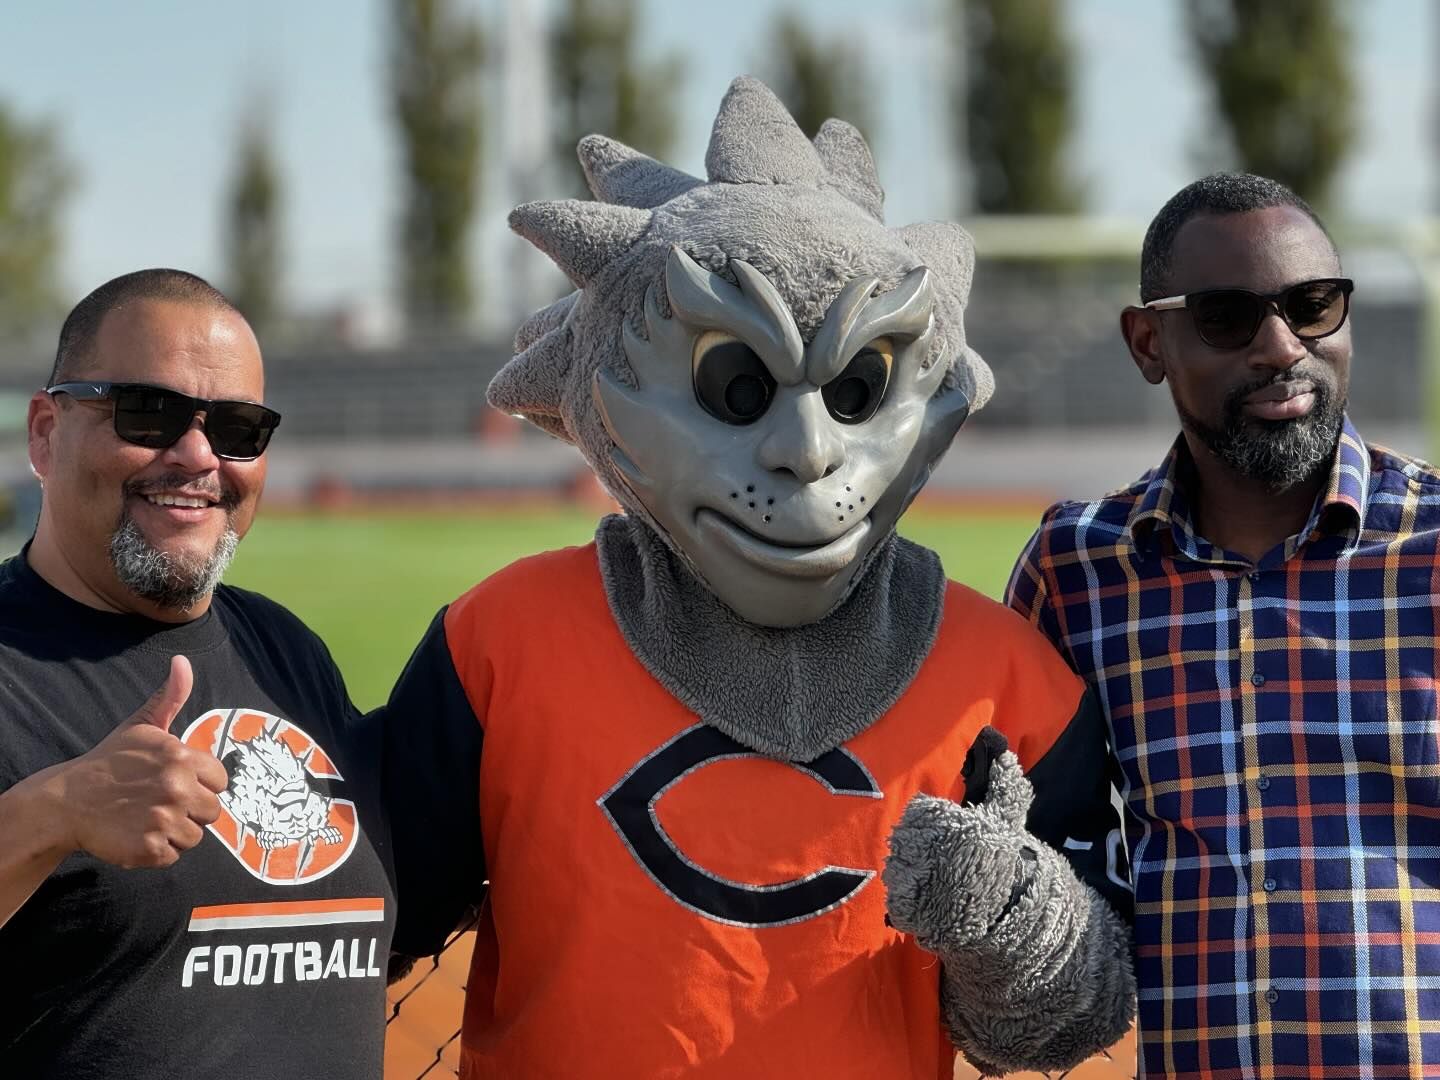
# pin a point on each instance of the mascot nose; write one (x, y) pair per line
(802, 439)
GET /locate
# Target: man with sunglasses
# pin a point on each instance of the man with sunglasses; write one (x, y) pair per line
(197, 890)
(1258, 617)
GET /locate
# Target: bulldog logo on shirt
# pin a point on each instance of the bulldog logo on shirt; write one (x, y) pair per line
(277, 817)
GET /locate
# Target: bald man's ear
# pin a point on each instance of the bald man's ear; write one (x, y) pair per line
(1141, 330)
(41, 427)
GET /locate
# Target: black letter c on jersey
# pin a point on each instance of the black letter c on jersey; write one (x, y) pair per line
(630, 805)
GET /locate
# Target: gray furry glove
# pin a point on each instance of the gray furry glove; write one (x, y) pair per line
(1037, 970)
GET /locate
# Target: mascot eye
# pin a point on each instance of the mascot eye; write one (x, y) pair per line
(731, 383)
(853, 396)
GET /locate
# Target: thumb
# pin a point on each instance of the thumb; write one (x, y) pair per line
(161, 707)
(1010, 793)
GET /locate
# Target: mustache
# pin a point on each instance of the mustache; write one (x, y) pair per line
(226, 497)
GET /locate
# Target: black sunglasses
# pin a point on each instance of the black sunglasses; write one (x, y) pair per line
(1230, 318)
(157, 417)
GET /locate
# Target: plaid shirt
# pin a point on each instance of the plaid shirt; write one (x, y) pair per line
(1275, 727)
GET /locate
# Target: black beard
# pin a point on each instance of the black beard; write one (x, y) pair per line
(1278, 453)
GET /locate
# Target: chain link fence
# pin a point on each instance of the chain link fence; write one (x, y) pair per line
(427, 1006)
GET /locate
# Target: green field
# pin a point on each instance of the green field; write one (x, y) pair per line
(369, 584)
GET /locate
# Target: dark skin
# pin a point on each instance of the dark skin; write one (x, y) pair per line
(1265, 251)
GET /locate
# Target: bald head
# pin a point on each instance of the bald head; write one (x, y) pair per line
(82, 325)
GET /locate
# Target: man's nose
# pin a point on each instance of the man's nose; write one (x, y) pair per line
(192, 451)
(1275, 345)
(802, 440)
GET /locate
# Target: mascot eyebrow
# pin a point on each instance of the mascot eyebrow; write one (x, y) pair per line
(756, 312)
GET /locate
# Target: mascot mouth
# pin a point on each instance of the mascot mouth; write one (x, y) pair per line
(818, 561)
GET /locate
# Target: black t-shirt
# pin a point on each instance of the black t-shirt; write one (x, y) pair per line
(261, 953)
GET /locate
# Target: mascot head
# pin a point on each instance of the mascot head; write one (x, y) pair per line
(754, 364)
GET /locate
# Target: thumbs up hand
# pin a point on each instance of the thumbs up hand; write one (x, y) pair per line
(1036, 971)
(969, 880)
(142, 797)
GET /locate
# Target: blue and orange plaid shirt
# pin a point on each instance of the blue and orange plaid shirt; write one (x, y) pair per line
(1275, 729)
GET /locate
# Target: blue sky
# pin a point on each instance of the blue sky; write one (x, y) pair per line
(148, 94)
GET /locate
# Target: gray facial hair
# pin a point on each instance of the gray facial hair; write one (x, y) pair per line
(177, 584)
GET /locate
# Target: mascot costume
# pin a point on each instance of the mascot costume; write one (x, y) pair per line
(744, 773)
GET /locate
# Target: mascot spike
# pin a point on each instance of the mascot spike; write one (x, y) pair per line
(851, 167)
(949, 252)
(543, 321)
(755, 141)
(625, 177)
(581, 237)
(532, 384)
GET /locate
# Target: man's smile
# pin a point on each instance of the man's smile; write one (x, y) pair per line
(178, 507)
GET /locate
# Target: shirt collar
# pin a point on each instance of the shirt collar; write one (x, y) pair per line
(1339, 509)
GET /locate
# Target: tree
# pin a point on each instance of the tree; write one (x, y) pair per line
(35, 182)
(252, 225)
(436, 56)
(1014, 104)
(601, 86)
(1283, 85)
(815, 78)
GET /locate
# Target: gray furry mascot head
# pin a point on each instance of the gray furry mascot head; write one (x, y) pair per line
(755, 364)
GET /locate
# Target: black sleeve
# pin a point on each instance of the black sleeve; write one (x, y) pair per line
(431, 739)
(1075, 811)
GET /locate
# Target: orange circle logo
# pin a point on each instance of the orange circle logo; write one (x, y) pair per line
(276, 820)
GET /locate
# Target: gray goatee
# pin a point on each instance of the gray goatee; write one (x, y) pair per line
(175, 583)
(1278, 453)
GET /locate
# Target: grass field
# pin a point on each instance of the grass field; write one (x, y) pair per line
(369, 584)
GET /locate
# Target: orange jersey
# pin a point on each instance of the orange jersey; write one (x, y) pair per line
(664, 902)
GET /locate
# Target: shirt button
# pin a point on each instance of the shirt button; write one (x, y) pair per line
(1263, 783)
(1268, 884)
(1257, 679)
(1254, 577)
(1272, 996)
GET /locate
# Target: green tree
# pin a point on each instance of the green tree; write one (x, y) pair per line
(817, 78)
(602, 86)
(1014, 104)
(436, 56)
(35, 182)
(1283, 84)
(252, 225)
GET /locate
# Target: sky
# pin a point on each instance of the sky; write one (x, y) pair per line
(148, 96)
